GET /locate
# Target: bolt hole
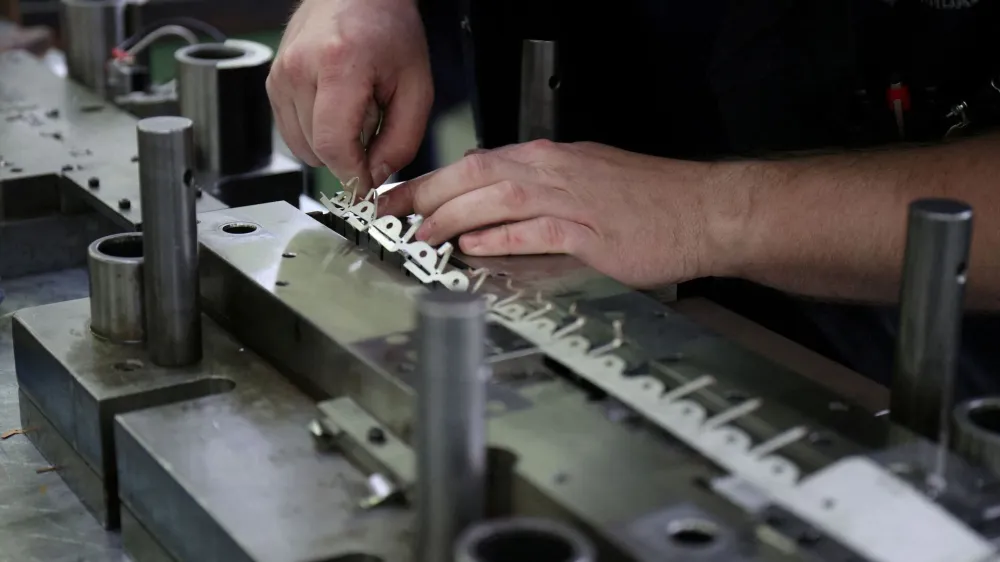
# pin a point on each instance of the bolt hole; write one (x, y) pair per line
(289, 255)
(281, 283)
(239, 228)
(17, 170)
(525, 545)
(188, 178)
(423, 253)
(692, 533)
(553, 82)
(128, 365)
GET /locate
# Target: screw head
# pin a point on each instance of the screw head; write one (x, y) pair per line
(376, 436)
(94, 183)
(124, 204)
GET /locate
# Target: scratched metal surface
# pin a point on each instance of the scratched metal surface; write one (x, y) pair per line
(40, 519)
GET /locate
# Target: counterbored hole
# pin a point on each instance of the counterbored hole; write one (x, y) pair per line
(986, 417)
(525, 545)
(215, 52)
(239, 228)
(122, 246)
(692, 533)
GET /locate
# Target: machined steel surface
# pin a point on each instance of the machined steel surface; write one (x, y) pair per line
(939, 234)
(450, 420)
(232, 475)
(169, 235)
(539, 110)
(116, 288)
(41, 518)
(91, 30)
(523, 539)
(68, 173)
(977, 432)
(221, 89)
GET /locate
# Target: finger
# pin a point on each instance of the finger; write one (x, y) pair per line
(303, 99)
(403, 126)
(502, 202)
(338, 117)
(468, 174)
(291, 132)
(542, 235)
(428, 192)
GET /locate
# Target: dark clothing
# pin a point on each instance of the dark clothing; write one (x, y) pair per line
(709, 79)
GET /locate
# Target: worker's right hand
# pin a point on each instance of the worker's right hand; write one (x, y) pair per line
(338, 63)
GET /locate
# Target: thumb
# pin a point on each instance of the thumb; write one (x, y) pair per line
(402, 129)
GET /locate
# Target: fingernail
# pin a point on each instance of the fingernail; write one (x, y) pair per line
(468, 243)
(423, 233)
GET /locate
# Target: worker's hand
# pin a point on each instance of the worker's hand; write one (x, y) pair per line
(642, 220)
(339, 61)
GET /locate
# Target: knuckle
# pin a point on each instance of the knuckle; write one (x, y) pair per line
(334, 52)
(293, 66)
(539, 147)
(513, 195)
(475, 166)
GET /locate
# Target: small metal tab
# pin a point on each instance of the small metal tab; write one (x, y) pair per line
(481, 274)
(386, 231)
(615, 343)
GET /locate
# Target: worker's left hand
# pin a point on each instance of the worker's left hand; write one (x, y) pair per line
(642, 220)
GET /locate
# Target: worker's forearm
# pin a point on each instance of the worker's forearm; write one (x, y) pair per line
(834, 226)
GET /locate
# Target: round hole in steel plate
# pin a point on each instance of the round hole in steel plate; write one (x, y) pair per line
(128, 365)
(692, 533)
(239, 228)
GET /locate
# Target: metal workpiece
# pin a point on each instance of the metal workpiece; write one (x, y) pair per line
(116, 295)
(523, 539)
(450, 420)
(938, 237)
(539, 107)
(221, 87)
(170, 240)
(977, 432)
(91, 30)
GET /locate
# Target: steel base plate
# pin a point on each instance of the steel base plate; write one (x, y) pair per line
(225, 471)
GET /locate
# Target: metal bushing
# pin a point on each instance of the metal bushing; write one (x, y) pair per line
(221, 88)
(977, 432)
(116, 288)
(91, 29)
(523, 539)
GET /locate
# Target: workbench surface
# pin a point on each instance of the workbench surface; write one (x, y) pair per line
(40, 518)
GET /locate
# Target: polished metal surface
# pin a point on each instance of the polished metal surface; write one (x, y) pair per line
(933, 288)
(41, 518)
(116, 295)
(977, 432)
(523, 539)
(91, 30)
(221, 89)
(450, 420)
(166, 179)
(539, 109)
(69, 175)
